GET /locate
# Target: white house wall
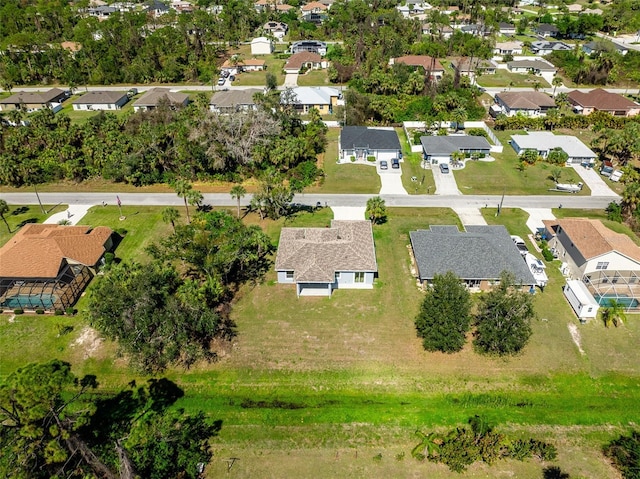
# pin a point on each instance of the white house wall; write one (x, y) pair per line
(617, 262)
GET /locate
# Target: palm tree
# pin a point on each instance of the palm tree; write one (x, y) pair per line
(376, 210)
(459, 115)
(182, 188)
(237, 193)
(4, 209)
(613, 313)
(630, 198)
(170, 215)
(556, 82)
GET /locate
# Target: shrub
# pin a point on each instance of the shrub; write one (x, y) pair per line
(352, 158)
(371, 158)
(108, 258)
(71, 311)
(547, 254)
(477, 132)
(39, 311)
(58, 312)
(121, 231)
(624, 452)
(18, 311)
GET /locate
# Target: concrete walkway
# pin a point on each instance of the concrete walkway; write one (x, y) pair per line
(392, 183)
(594, 181)
(348, 212)
(536, 215)
(470, 216)
(73, 214)
(445, 183)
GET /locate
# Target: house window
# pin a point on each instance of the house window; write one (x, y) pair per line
(289, 274)
(359, 277)
(602, 265)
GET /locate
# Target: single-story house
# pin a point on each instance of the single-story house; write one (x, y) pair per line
(430, 65)
(277, 29)
(413, 9)
(101, 100)
(547, 30)
(231, 101)
(592, 11)
(317, 18)
(444, 31)
(544, 47)
(156, 96)
(606, 261)
(528, 103)
(463, 67)
(278, 6)
(476, 29)
(478, 255)
(545, 141)
(361, 142)
(31, 101)
(156, 8)
(48, 266)
(314, 46)
(574, 8)
(313, 7)
(507, 28)
(599, 46)
(602, 100)
(508, 48)
(248, 65)
(101, 12)
(535, 66)
(262, 46)
(439, 149)
(319, 260)
(322, 98)
(308, 60)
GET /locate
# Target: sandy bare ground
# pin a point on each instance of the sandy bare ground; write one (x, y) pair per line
(575, 335)
(89, 341)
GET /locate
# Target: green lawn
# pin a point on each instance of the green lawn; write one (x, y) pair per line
(273, 65)
(504, 78)
(21, 215)
(314, 78)
(504, 174)
(316, 387)
(345, 177)
(412, 168)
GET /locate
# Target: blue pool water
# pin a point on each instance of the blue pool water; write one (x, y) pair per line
(44, 301)
(603, 300)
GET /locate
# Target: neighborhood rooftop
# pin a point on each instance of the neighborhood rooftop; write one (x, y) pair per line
(371, 138)
(314, 95)
(446, 145)
(231, 98)
(480, 252)
(316, 254)
(29, 98)
(100, 97)
(601, 100)
(526, 99)
(155, 95)
(545, 140)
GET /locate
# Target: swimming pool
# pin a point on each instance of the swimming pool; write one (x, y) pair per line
(626, 301)
(30, 301)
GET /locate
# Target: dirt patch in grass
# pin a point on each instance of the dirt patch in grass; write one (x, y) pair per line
(89, 341)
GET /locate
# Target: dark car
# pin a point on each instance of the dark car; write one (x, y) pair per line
(384, 165)
(225, 73)
(395, 163)
(444, 168)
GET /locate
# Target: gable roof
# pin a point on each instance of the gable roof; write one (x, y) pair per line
(546, 140)
(370, 138)
(155, 95)
(546, 27)
(298, 59)
(316, 254)
(601, 100)
(593, 239)
(231, 98)
(536, 64)
(314, 95)
(464, 64)
(33, 97)
(479, 252)
(102, 97)
(545, 45)
(526, 100)
(446, 145)
(38, 250)
(424, 61)
(509, 45)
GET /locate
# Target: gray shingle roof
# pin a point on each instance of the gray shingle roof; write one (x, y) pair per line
(446, 145)
(153, 97)
(231, 98)
(316, 254)
(480, 252)
(28, 97)
(370, 138)
(102, 97)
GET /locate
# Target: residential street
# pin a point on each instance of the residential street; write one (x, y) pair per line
(224, 199)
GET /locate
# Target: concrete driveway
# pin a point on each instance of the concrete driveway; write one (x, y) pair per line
(291, 80)
(470, 216)
(348, 212)
(536, 215)
(445, 182)
(72, 215)
(391, 180)
(594, 181)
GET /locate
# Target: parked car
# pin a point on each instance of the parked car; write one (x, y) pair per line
(232, 78)
(520, 244)
(444, 168)
(221, 81)
(384, 165)
(225, 73)
(395, 163)
(132, 92)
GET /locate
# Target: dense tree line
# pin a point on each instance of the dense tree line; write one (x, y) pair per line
(161, 145)
(603, 67)
(54, 424)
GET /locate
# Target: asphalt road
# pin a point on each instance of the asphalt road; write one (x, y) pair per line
(223, 199)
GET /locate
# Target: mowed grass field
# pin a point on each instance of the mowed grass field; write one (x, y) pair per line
(316, 387)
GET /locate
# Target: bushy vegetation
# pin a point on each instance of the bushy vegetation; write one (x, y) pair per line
(624, 453)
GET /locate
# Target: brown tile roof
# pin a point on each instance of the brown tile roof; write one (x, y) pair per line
(316, 254)
(425, 61)
(592, 238)
(71, 46)
(38, 251)
(528, 100)
(153, 97)
(298, 59)
(601, 100)
(30, 98)
(313, 6)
